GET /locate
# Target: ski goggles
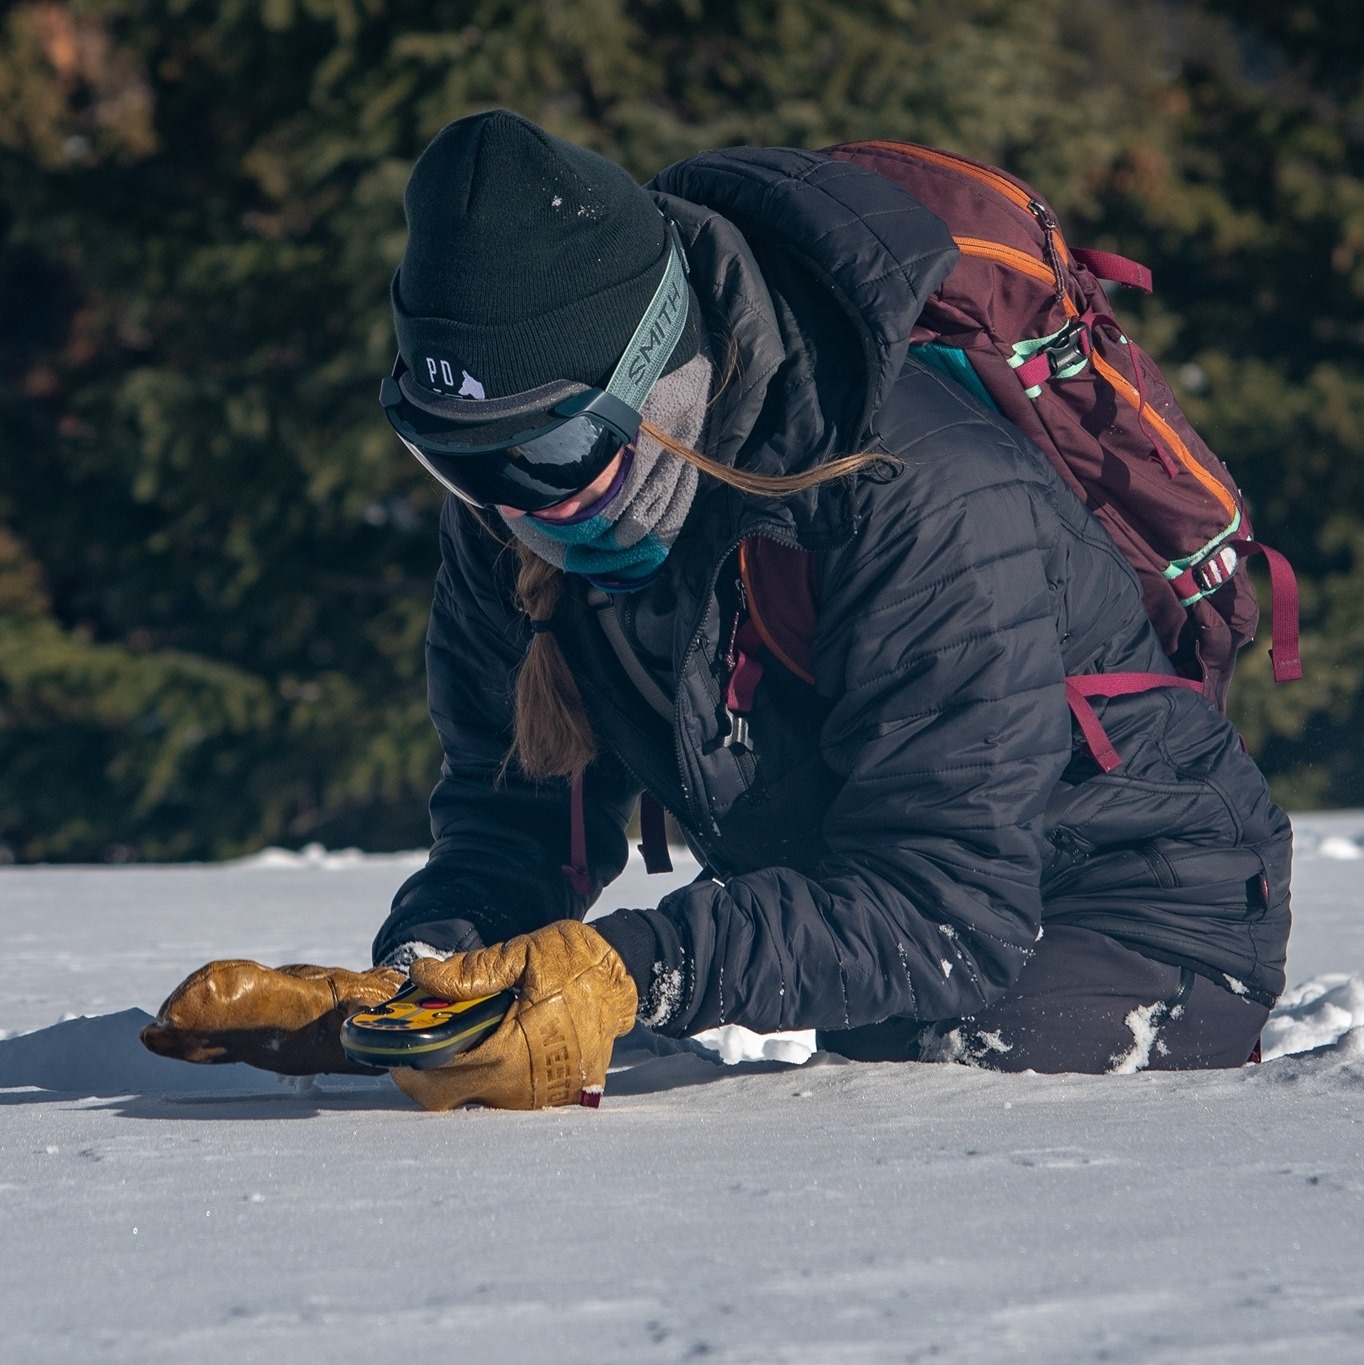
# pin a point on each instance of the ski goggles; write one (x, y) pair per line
(529, 459)
(532, 450)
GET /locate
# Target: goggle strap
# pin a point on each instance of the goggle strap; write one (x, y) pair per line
(656, 337)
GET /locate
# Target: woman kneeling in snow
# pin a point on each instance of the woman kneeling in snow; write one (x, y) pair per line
(628, 391)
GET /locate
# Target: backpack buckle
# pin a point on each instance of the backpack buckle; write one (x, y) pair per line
(1062, 355)
(1070, 350)
(1216, 569)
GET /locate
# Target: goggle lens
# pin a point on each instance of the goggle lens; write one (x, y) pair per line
(532, 475)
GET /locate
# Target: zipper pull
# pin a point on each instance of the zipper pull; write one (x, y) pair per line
(1050, 227)
(744, 673)
(740, 611)
(738, 736)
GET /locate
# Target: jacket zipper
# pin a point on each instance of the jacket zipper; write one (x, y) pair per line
(692, 648)
(1065, 839)
(738, 737)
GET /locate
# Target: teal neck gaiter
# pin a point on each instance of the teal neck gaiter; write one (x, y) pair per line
(620, 545)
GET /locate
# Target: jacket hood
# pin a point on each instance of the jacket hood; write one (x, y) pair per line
(816, 270)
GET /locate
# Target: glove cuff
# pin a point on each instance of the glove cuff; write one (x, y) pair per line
(651, 949)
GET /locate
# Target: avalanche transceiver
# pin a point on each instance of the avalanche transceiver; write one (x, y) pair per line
(418, 1029)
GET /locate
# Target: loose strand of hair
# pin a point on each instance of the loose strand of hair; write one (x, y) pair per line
(776, 485)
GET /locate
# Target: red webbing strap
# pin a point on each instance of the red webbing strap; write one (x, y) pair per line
(1108, 265)
(575, 872)
(1080, 689)
(1034, 371)
(653, 831)
(1283, 606)
(747, 670)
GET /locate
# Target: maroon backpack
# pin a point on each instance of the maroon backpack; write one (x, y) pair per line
(1024, 322)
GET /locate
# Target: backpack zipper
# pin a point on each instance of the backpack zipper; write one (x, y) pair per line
(1016, 260)
(1168, 434)
(1051, 272)
(987, 175)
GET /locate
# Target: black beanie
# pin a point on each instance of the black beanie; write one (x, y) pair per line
(528, 260)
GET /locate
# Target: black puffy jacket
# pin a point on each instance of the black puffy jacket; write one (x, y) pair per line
(903, 827)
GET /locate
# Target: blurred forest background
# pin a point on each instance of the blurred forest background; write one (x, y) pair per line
(215, 561)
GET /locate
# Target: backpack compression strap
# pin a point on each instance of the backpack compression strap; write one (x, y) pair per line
(1080, 689)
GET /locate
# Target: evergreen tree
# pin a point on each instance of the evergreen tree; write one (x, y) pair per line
(215, 562)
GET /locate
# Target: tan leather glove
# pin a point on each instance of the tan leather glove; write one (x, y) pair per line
(575, 998)
(284, 1019)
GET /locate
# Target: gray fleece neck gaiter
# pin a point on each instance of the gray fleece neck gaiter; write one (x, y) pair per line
(620, 542)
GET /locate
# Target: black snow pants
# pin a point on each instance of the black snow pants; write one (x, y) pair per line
(1084, 1002)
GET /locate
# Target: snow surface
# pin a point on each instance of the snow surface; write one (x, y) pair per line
(752, 1212)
